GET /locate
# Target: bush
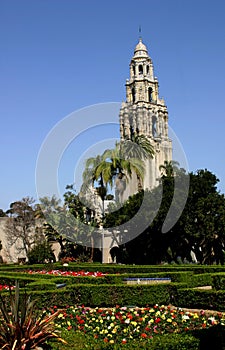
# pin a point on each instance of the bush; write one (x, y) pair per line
(24, 327)
(41, 253)
(200, 299)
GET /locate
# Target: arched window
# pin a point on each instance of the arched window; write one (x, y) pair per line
(133, 95)
(134, 70)
(147, 69)
(150, 94)
(140, 69)
(154, 128)
(131, 130)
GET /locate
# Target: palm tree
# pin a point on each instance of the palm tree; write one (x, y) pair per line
(111, 167)
(138, 146)
(169, 168)
(117, 168)
(90, 177)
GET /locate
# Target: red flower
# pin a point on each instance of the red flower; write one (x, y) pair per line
(157, 320)
(106, 340)
(144, 335)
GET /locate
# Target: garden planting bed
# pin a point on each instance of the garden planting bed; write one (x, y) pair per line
(104, 294)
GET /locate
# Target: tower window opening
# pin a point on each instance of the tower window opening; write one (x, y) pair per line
(140, 69)
(133, 95)
(147, 68)
(131, 130)
(150, 94)
(134, 70)
(154, 127)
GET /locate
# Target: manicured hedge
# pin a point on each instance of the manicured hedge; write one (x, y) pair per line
(116, 268)
(111, 289)
(9, 278)
(200, 299)
(203, 279)
(218, 281)
(102, 295)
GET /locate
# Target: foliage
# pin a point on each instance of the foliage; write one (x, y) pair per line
(21, 226)
(116, 166)
(76, 341)
(22, 328)
(2, 213)
(127, 325)
(197, 236)
(41, 253)
(200, 299)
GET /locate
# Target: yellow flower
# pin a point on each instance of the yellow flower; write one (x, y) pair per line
(111, 341)
(134, 323)
(169, 320)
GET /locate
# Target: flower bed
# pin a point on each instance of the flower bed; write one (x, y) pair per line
(6, 287)
(67, 273)
(122, 324)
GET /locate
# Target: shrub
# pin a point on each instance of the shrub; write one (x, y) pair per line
(41, 253)
(23, 327)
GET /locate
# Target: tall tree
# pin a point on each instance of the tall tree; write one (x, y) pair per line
(169, 168)
(21, 226)
(138, 146)
(199, 232)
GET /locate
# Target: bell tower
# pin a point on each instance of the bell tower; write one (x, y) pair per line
(145, 113)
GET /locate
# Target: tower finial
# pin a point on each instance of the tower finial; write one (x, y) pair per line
(139, 30)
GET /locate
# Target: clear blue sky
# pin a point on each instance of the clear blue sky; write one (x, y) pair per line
(58, 56)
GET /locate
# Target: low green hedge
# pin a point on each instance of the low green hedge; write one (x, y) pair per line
(102, 295)
(203, 279)
(218, 281)
(9, 278)
(116, 268)
(200, 299)
(39, 285)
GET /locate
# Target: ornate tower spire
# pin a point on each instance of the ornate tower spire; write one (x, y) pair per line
(144, 112)
(142, 85)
